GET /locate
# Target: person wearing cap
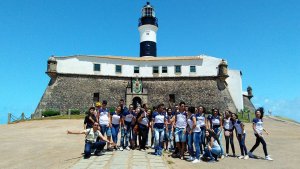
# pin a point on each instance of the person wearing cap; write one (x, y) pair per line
(104, 121)
(97, 108)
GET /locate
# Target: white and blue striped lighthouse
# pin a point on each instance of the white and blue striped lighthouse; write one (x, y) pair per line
(148, 27)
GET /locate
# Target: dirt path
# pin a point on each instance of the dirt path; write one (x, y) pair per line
(40, 144)
(45, 144)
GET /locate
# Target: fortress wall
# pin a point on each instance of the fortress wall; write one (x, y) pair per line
(76, 92)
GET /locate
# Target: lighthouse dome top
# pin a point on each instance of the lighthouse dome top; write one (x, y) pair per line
(148, 16)
(148, 11)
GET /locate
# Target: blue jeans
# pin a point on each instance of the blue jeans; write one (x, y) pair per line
(159, 138)
(99, 145)
(169, 138)
(190, 144)
(105, 130)
(115, 132)
(241, 138)
(197, 143)
(125, 135)
(213, 153)
(202, 139)
(216, 130)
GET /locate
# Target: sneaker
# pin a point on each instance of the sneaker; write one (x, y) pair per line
(222, 156)
(269, 158)
(250, 155)
(212, 161)
(152, 146)
(226, 155)
(241, 157)
(246, 157)
(191, 158)
(196, 161)
(143, 150)
(121, 149)
(127, 148)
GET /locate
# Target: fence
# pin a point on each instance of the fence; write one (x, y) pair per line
(12, 119)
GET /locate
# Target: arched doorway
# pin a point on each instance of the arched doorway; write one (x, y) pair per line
(136, 101)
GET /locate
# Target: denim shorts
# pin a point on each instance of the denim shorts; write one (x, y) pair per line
(180, 136)
(105, 130)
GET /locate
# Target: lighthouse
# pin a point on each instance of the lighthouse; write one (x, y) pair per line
(148, 27)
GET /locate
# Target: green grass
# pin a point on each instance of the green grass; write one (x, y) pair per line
(245, 119)
(81, 116)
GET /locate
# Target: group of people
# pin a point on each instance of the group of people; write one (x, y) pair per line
(170, 129)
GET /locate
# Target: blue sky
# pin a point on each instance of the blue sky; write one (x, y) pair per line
(261, 38)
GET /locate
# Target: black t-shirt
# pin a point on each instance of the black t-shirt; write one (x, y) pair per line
(89, 123)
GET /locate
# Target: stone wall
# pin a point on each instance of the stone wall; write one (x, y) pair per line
(76, 92)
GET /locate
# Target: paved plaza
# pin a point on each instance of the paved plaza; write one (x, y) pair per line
(133, 159)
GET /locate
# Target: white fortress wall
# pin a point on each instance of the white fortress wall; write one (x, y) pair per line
(234, 82)
(207, 66)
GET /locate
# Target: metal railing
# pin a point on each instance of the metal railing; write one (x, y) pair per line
(13, 119)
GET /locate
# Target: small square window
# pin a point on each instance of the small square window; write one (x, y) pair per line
(177, 68)
(155, 69)
(97, 67)
(164, 69)
(118, 69)
(136, 69)
(193, 69)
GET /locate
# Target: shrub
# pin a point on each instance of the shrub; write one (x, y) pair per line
(48, 113)
(75, 112)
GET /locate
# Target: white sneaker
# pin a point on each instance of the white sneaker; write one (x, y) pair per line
(121, 149)
(241, 157)
(246, 157)
(226, 155)
(191, 158)
(250, 155)
(269, 158)
(127, 148)
(196, 161)
(222, 156)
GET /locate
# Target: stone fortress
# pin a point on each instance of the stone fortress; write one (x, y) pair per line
(77, 82)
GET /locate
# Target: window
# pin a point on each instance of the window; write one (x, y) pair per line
(164, 69)
(177, 68)
(136, 69)
(172, 98)
(193, 69)
(96, 97)
(97, 67)
(118, 69)
(155, 69)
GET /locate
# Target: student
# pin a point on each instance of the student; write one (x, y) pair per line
(116, 121)
(190, 130)
(228, 132)
(91, 140)
(258, 132)
(158, 124)
(241, 135)
(169, 130)
(127, 117)
(217, 126)
(213, 149)
(180, 129)
(89, 119)
(134, 129)
(144, 123)
(201, 120)
(104, 121)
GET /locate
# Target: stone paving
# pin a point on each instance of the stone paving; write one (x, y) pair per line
(133, 159)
